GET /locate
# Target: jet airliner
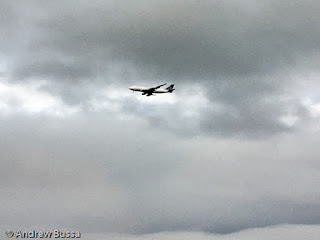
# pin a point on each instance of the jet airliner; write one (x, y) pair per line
(150, 91)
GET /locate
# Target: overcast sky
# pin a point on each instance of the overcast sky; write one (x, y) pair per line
(234, 148)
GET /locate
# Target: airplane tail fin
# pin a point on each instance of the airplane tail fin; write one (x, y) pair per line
(170, 88)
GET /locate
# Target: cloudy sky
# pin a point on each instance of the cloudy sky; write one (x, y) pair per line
(233, 153)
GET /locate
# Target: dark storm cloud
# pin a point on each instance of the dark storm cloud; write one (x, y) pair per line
(54, 70)
(183, 40)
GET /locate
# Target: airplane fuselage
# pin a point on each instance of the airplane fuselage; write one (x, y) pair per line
(150, 91)
(142, 89)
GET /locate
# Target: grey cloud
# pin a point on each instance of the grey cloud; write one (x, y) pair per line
(254, 118)
(181, 40)
(277, 232)
(43, 163)
(190, 40)
(54, 70)
(96, 173)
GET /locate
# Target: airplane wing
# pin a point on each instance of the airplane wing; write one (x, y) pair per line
(151, 90)
(160, 86)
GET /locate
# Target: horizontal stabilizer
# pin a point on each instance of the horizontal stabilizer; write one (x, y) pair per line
(170, 88)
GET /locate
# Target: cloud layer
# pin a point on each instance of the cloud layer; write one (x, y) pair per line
(248, 57)
(234, 147)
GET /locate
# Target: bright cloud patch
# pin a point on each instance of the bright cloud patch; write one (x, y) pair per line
(28, 98)
(312, 106)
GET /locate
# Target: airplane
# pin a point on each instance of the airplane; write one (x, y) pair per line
(150, 91)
